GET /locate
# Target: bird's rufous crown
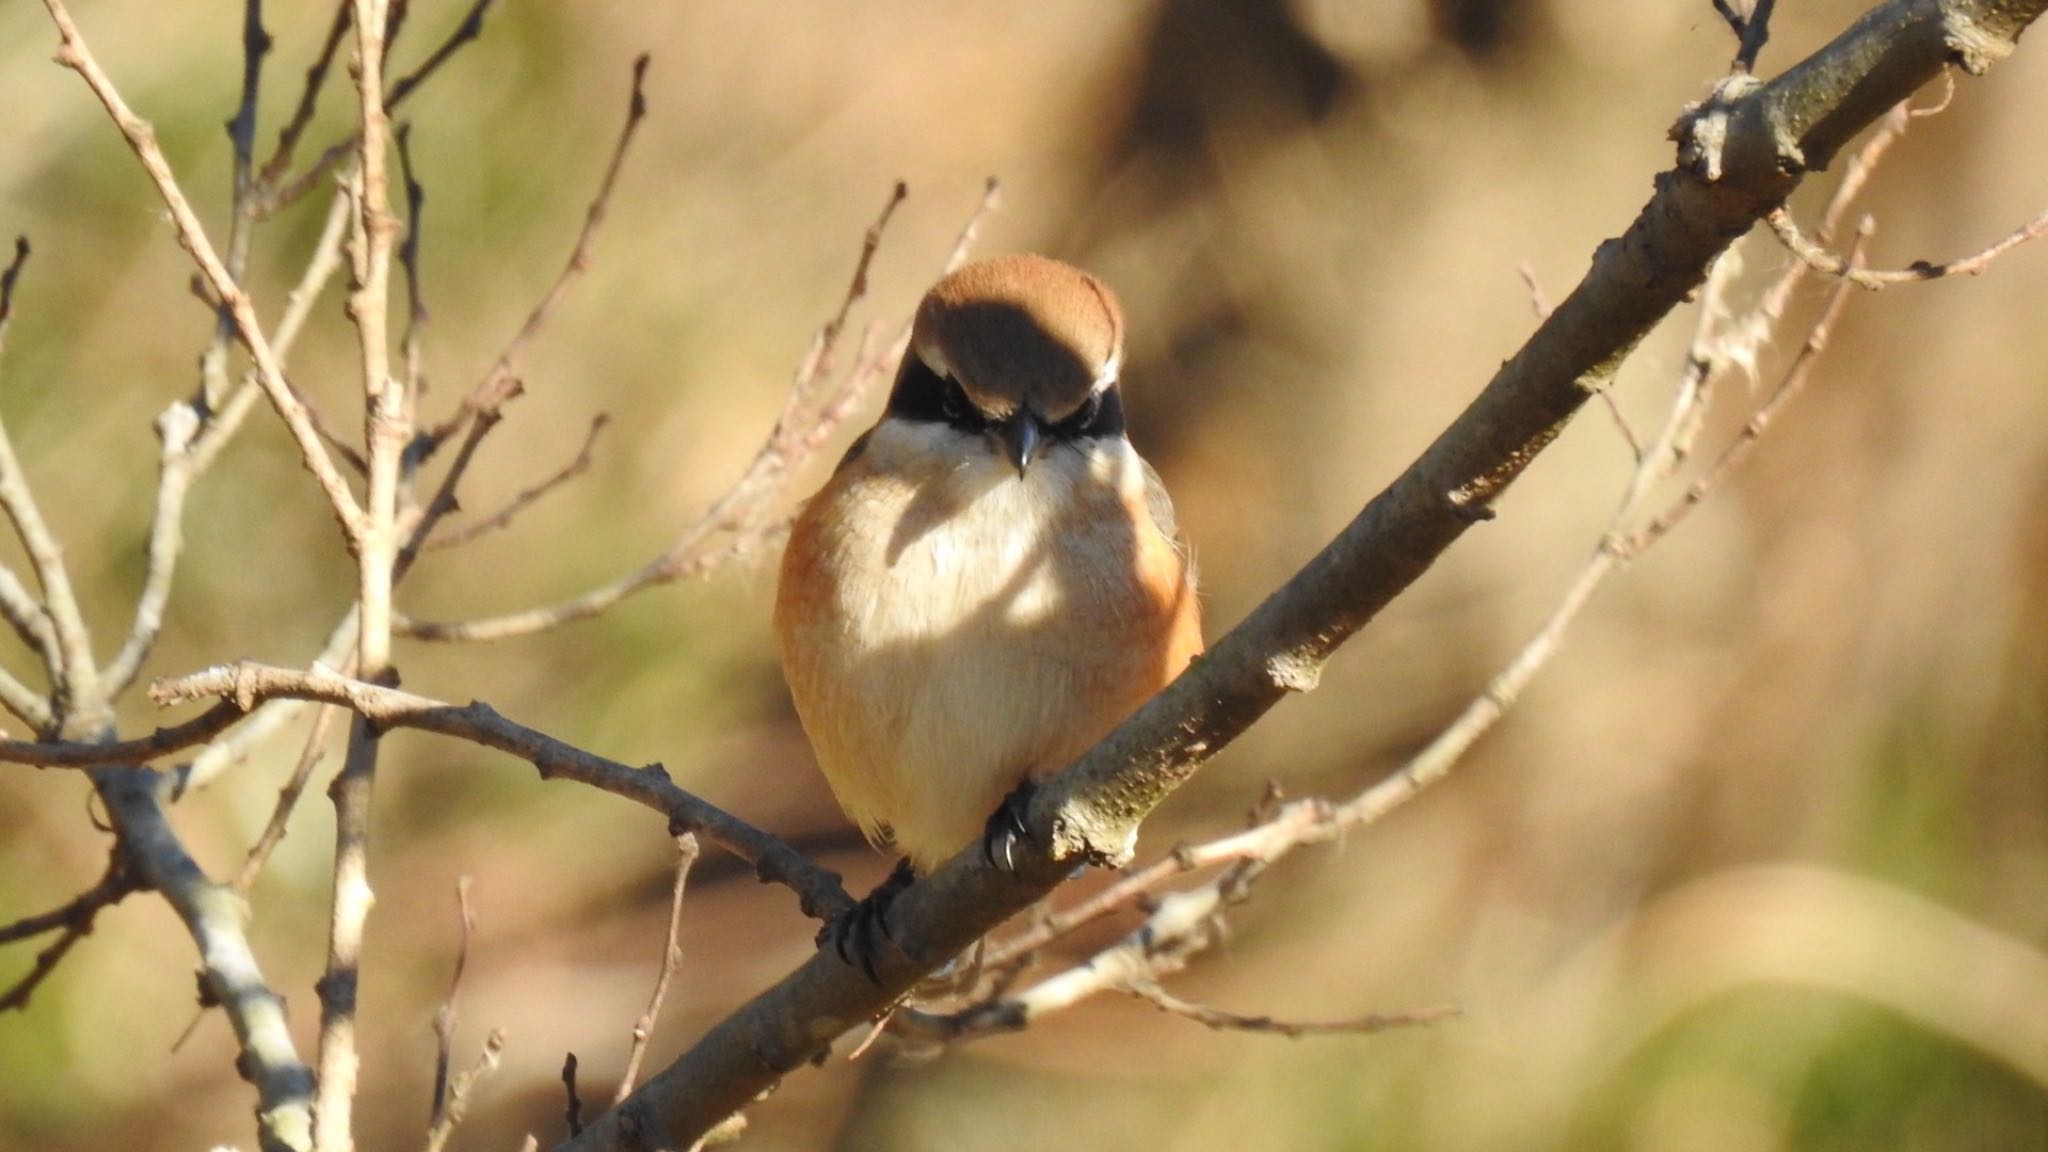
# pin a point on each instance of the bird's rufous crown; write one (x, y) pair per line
(1022, 330)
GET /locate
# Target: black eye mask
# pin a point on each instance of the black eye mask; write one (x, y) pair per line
(924, 396)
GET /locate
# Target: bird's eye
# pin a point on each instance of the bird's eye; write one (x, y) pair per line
(1102, 414)
(953, 402)
(922, 395)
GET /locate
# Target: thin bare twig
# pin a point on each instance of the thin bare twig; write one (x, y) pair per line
(176, 429)
(248, 684)
(572, 1115)
(8, 279)
(336, 443)
(90, 754)
(481, 409)
(18, 698)
(234, 747)
(74, 920)
(1736, 20)
(1751, 31)
(445, 1016)
(320, 266)
(460, 1088)
(309, 98)
(409, 260)
(112, 886)
(213, 376)
(339, 649)
(278, 194)
(724, 1132)
(74, 54)
(1615, 549)
(1263, 841)
(1821, 260)
(817, 361)
(32, 624)
(46, 962)
(671, 959)
(1179, 925)
(488, 392)
(280, 817)
(1539, 300)
(80, 708)
(471, 27)
(463, 533)
(868, 368)
(287, 799)
(445, 501)
(1152, 993)
(801, 429)
(20, 608)
(386, 429)
(1760, 420)
(394, 23)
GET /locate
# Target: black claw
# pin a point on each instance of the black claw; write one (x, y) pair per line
(855, 933)
(1007, 828)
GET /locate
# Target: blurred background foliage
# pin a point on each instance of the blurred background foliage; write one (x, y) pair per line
(1761, 862)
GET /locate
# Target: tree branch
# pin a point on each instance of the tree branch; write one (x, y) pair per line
(213, 376)
(459, 534)
(278, 195)
(74, 54)
(1821, 260)
(75, 919)
(176, 429)
(87, 754)
(81, 708)
(671, 959)
(228, 972)
(499, 375)
(249, 684)
(309, 98)
(375, 539)
(803, 426)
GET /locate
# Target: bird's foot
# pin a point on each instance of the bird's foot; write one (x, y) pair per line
(1007, 827)
(855, 933)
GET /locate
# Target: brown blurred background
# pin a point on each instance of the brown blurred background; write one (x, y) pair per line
(1761, 862)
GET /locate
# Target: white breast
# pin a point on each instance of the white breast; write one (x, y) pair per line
(961, 627)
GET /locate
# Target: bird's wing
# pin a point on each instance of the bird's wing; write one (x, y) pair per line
(1160, 505)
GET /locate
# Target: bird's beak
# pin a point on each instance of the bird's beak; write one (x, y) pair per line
(1020, 435)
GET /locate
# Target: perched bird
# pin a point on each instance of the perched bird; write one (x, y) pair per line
(991, 580)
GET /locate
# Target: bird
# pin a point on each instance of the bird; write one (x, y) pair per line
(992, 578)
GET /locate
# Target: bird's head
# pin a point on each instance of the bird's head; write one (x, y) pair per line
(1022, 350)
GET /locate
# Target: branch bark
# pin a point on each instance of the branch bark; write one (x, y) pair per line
(1741, 153)
(246, 685)
(229, 976)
